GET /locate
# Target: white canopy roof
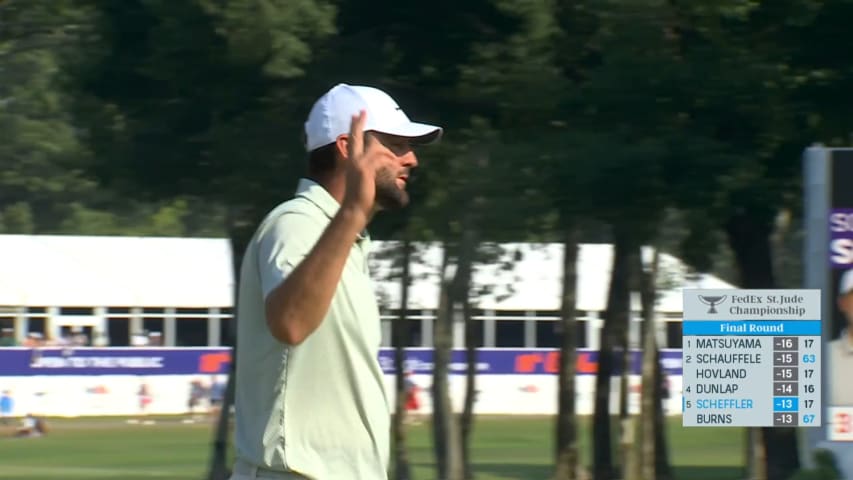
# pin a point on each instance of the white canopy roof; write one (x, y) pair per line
(88, 271)
(534, 282)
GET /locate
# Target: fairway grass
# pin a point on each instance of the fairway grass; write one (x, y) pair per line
(503, 448)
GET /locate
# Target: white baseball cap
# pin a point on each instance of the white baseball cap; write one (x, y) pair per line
(846, 283)
(331, 117)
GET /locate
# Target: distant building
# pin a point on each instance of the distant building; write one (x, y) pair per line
(135, 291)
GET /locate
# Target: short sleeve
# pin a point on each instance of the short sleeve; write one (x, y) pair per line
(284, 244)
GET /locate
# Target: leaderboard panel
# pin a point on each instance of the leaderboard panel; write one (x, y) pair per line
(752, 358)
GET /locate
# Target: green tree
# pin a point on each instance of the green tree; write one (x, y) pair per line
(41, 156)
(47, 184)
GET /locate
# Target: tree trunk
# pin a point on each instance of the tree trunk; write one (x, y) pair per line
(240, 232)
(446, 441)
(400, 334)
(602, 459)
(219, 469)
(645, 451)
(567, 437)
(626, 422)
(467, 419)
(461, 296)
(616, 307)
(662, 465)
(654, 429)
(749, 232)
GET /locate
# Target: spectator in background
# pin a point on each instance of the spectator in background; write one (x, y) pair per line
(145, 397)
(217, 396)
(31, 426)
(7, 338)
(194, 404)
(665, 389)
(155, 339)
(78, 337)
(100, 339)
(7, 406)
(34, 340)
(413, 403)
(139, 340)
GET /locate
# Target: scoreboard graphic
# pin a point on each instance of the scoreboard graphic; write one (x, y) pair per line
(752, 358)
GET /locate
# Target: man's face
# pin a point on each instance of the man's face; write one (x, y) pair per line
(397, 161)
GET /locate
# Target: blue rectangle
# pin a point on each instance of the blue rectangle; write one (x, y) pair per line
(17, 361)
(786, 404)
(752, 328)
(114, 361)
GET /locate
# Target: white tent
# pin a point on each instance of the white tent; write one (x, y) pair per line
(90, 271)
(533, 283)
(166, 274)
(87, 271)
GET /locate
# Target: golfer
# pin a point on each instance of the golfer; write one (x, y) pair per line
(310, 398)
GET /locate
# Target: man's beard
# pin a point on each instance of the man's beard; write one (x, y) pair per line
(388, 195)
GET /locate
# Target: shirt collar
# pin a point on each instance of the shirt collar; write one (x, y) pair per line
(319, 196)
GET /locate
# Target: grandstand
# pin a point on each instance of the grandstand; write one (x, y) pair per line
(116, 291)
(122, 291)
(520, 308)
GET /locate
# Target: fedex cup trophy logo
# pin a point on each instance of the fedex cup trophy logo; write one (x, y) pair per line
(712, 301)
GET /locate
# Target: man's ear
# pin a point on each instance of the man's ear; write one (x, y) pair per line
(342, 146)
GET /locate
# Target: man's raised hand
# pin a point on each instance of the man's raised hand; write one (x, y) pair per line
(360, 171)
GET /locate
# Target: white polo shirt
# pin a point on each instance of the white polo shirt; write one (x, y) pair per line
(320, 408)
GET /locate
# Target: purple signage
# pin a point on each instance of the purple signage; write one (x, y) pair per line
(841, 237)
(191, 361)
(113, 361)
(534, 361)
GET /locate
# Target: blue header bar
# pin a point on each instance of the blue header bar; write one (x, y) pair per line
(752, 327)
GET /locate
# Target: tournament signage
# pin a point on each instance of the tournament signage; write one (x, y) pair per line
(216, 360)
(70, 382)
(536, 361)
(828, 261)
(752, 358)
(114, 361)
(841, 238)
(840, 338)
